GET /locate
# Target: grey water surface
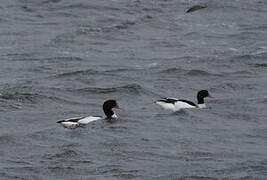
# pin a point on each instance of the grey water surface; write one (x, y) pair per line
(63, 58)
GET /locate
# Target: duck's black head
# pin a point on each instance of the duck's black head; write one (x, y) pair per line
(108, 106)
(201, 95)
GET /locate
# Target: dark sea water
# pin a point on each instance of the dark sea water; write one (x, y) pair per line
(63, 58)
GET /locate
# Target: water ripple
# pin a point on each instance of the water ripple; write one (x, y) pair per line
(132, 89)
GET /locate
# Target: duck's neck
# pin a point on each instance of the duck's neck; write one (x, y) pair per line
(200, 100)
(202, 105)
(114, 116)
(109, 113)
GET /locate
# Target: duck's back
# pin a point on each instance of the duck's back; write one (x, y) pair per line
(88, 119)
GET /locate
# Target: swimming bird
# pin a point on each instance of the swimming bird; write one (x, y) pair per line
(178, 104)
(81, 121)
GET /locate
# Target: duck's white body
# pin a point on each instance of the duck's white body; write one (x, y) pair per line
(70, 125)
(177, 105)
(167, 106)
(78, 121)
(89, 119)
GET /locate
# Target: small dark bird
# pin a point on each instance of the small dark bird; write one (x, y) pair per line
(196, 8)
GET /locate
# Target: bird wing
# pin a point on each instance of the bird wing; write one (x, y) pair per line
(188, 102)
(75, 119)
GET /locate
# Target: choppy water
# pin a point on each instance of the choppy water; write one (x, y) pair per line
(62, 59)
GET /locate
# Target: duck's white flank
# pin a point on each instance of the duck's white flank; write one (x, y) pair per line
(167, 106)
(88, 119)
(182, 105)
(78, 121)
(69, 124)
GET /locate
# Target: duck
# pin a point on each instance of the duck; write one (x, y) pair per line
(174, 104)
(75, 122)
